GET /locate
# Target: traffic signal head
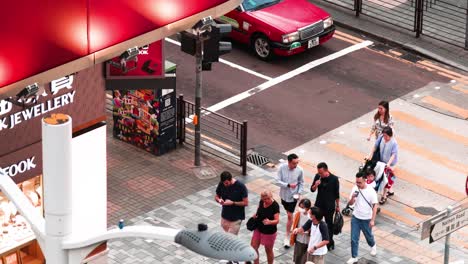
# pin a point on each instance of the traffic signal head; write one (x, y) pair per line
(214, 47)
(187, 42)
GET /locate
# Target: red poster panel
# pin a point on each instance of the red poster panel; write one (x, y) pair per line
(144, 62)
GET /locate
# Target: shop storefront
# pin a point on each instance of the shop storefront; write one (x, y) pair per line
(17, 242)
(81, 96)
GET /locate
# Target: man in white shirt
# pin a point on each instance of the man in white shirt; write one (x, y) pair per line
(364, 199)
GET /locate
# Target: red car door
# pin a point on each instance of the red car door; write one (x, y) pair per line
(239, 27)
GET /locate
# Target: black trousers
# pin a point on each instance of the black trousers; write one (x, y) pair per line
(328, 214)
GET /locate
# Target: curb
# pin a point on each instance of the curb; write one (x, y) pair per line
(408, 47)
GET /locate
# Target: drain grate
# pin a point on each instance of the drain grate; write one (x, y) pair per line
(410, 57)
(426, 210)
(257, 159)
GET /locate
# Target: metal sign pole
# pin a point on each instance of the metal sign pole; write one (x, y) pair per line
(198, 95)
(447, 240)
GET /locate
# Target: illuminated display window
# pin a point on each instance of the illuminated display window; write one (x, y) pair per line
(17, 241)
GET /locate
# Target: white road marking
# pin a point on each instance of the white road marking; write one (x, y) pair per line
(233, 65)
(288, 75)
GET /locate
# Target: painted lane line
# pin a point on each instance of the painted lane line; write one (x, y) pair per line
(232, 64)
(237, 66)
(288, 75)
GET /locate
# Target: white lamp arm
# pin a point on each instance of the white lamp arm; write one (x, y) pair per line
(212, 244)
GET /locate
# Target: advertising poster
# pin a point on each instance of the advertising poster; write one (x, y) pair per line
(146, 118)
(135, 115)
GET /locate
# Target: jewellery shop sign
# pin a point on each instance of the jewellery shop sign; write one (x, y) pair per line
(50, 99)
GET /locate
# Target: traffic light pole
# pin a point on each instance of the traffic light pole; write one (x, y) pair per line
(198, 95)
(205, 53)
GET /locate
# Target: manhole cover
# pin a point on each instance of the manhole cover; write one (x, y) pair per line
(426, 210)
(381, 47)
(204, 172)
(257, 159)
(366, 261)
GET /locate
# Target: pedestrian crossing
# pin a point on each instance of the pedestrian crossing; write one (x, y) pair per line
(433, 154)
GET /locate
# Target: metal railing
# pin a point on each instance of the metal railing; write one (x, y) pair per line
(444, 20)
(221, 136)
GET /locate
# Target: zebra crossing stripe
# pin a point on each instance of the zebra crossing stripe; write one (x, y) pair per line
(402, 174)
(446, 106)
(404, 117)
(426, 153)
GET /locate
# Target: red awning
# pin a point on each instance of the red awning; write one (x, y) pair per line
(46, 40)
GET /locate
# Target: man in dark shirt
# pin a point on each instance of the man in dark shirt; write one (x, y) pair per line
(232, 195)
(328, 197)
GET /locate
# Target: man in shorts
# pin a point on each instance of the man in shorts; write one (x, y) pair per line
(290, 179)
(232, 195)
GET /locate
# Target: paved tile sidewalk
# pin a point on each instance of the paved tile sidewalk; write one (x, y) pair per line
(396, 244)
(168, 191)
(138, 181)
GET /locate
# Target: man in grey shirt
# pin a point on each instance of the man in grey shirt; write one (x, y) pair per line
(290, 179)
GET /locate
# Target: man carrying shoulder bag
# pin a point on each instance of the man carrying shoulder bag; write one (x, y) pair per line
(364, 199)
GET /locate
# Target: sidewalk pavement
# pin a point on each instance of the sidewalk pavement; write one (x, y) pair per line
(168, 191)
(428, 47)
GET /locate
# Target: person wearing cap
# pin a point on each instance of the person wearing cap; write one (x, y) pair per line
(233, 196)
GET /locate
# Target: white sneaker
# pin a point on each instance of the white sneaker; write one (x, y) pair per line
(286, 243)
(373, 251)
(352, 260)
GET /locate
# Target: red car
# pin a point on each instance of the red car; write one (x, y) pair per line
(280, 27)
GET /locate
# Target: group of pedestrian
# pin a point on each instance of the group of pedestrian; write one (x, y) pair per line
(311, 228)
(385, 148)
(233, 196)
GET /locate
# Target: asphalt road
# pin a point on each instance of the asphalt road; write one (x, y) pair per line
(309, 104)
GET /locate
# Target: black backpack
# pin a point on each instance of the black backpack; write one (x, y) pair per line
(337, 223)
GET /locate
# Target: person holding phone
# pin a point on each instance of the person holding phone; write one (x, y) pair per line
(364, 199)
(267, 216)
(290, 179)
(327, 186)
(233, 196)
